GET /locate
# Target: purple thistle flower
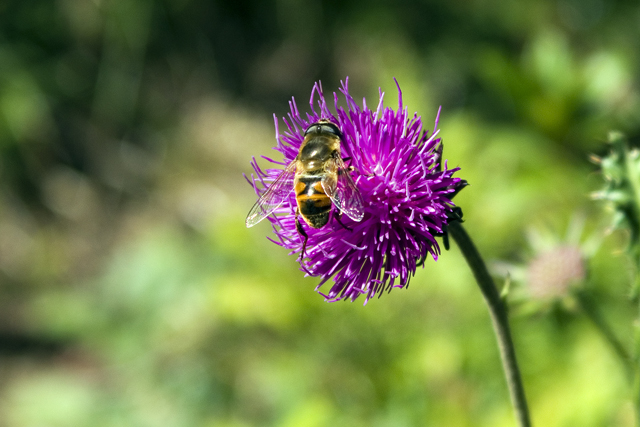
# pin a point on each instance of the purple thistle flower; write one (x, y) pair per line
(407, 192)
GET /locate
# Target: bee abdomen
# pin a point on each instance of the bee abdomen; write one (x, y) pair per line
(314, 205)
(318, 220)
(308, 186)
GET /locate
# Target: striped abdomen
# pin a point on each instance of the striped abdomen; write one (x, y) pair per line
(314, 205)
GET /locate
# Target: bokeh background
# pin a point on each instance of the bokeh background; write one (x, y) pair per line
(131, 292)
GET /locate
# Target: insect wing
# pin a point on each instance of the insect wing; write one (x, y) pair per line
(273, 197)
(342, 190)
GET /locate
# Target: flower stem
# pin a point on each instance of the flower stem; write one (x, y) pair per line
(499, 318)
(589, 309)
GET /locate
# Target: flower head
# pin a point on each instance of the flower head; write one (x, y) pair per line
(406, 188)
(555, 268)
(551, 274)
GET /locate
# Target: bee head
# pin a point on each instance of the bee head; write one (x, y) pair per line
(324, 126)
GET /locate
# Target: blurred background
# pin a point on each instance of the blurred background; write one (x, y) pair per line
(131, 292)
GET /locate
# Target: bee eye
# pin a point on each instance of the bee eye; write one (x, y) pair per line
(332, 129)
(328, 129)
(324, 126)
(310, 128)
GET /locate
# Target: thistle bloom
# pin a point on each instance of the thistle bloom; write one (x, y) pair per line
(556, 269)
(407, 191)
(552, 274)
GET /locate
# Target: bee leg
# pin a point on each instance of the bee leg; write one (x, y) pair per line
(351, 169)
(338, 216)
(303, 234)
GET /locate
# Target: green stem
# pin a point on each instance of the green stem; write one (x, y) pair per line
(589, 309)
(634, 181)
(636, 379)
(500, 320)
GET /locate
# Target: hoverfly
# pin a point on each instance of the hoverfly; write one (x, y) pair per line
(319, 178)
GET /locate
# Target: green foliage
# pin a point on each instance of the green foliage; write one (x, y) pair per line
(621, 170)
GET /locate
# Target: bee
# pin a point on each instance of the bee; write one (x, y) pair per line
(319, 178)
